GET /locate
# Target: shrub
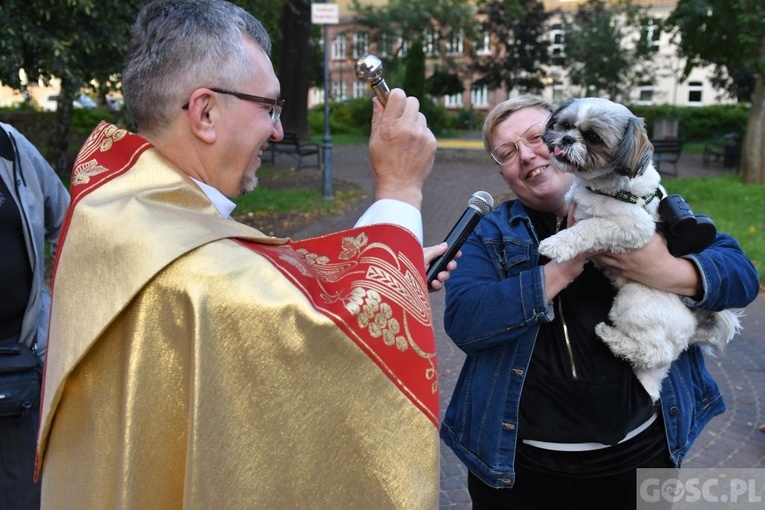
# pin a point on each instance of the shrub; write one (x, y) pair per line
(345, 117)
(355, 117)
(698, 123)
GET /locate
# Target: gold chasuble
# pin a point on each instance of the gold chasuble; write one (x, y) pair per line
(194, 362)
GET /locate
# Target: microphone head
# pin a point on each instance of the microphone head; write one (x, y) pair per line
(482, 202)
(369, 69)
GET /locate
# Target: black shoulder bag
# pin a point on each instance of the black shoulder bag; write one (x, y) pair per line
(20, 375)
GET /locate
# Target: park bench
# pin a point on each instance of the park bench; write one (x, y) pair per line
(726, 151)
(292, 146)
(668, 152)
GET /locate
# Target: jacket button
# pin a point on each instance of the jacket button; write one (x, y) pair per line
(673, 411)
(518, 371)
(510, 426)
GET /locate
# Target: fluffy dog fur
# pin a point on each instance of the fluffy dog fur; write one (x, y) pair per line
(607, 150)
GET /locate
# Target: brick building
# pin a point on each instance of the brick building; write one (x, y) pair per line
(348, 41)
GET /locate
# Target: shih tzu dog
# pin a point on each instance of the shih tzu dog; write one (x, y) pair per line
(616, 193)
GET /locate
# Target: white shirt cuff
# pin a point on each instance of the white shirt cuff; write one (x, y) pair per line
(399, 213)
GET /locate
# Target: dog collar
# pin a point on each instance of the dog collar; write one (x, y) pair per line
(626, 196)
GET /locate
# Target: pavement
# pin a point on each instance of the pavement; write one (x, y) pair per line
(731, 440)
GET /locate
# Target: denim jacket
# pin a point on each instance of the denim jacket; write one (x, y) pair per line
(495, 303)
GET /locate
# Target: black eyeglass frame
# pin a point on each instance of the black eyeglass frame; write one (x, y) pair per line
(278, 104)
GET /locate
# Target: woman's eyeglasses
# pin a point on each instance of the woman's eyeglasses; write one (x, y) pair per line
(506, 153)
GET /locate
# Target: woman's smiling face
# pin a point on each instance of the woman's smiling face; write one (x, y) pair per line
(529, 173)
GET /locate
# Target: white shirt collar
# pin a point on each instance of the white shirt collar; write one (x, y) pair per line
(221, 202)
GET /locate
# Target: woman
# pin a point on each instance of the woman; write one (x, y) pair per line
(543, 414)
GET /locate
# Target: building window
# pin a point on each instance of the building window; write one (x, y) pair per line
(339, 91)
(479, 96)
(316, 96)
(557, 42)
(339, 51)
(646, 94)
(454, 44)
(384, 45)
(403, 47)
(695, 93)
(483, 44)
(359, 89)
(453, 101)
(651, 34)
(559, 94)
(430, 43)
(360, 44)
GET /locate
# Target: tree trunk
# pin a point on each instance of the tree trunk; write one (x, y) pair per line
(293, 69)
(59, 137)
(753, 150)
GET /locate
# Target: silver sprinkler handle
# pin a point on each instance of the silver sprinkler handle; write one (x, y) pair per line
(369, 70)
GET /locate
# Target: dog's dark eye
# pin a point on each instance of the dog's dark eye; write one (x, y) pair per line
(592, 137)
(565, 125)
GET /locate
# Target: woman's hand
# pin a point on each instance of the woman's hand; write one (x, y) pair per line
(431, 253)
(654, 266)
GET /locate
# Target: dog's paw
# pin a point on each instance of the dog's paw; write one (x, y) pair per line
(554, 248)
(623, 346)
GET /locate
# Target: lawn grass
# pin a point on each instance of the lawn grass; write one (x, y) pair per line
(281, 190)
(735, 208)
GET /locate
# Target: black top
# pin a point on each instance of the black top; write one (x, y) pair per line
(15, 268)
(576, 390)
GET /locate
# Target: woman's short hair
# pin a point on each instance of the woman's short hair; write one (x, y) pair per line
(504, 109)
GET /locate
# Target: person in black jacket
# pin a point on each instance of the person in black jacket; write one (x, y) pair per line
(33, 202)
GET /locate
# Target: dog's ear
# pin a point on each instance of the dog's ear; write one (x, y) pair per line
(554, 117)
(635, 151)
(548, 136)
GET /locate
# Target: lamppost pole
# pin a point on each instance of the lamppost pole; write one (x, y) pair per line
(327, 135)
(326, 14)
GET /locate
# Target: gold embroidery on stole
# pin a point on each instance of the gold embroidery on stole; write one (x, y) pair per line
(102, 139)
(368, 299)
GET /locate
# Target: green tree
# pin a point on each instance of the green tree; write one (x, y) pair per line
(729, 34)
(602, 54)
(80, 42)
(414, 74)
(398, 23)
(77, 41)
(519, 31)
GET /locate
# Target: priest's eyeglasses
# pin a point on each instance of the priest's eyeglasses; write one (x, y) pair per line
(507, 152)
(276, 105)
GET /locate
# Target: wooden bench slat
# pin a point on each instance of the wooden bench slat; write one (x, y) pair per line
(292, 146)
(667, 151)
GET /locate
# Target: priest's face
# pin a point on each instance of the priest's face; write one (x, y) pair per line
(249, 126)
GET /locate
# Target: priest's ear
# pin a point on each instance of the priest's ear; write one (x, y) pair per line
(203, 111)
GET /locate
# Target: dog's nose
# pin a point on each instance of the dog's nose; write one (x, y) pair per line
(567, 140)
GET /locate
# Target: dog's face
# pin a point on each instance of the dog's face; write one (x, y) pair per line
(592, 137)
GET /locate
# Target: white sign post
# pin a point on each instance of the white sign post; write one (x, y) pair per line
(326, 14)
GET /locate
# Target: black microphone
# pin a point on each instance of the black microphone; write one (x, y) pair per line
(479, 206)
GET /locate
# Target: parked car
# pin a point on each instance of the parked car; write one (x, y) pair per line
(115, 103)
(80, 101)
(83, 101)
